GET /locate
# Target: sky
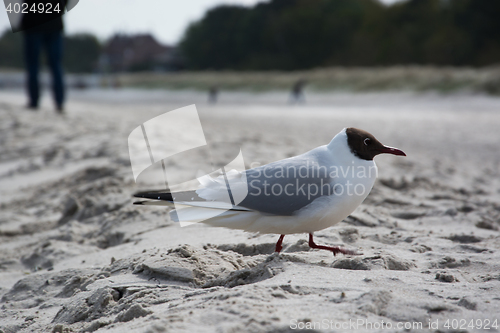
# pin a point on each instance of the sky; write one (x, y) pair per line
(165, 19)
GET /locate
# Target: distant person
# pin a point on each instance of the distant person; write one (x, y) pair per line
(213, 93)
(80, 84)
(48, 36)
(297, 93)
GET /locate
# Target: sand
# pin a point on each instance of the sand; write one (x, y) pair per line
(76, 255)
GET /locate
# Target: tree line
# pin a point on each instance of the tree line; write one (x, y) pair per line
(302, 34)
(81, 52)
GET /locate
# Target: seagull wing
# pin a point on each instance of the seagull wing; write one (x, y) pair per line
(279, 188)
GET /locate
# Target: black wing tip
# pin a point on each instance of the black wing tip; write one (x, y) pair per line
(146, 193)
(167, 196)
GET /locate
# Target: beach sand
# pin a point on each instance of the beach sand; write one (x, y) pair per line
(76, 255)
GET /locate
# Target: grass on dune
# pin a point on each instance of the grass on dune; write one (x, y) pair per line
(413, 78)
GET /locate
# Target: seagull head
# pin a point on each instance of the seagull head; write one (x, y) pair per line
(366, 146)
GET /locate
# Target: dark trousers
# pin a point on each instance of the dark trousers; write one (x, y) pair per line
(52, 42)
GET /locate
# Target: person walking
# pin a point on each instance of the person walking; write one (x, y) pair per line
(43, 29)
(297, 92)
(213, 93)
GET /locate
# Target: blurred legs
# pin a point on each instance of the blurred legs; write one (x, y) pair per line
(54, 44)
(32, 58)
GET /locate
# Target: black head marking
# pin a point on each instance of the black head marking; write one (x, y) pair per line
(363, 144)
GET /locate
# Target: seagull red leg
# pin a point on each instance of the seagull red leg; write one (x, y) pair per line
(334, 249)
(278, 245)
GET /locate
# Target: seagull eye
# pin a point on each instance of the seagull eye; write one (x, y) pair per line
(367, 141)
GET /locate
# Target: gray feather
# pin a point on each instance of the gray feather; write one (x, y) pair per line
(284, 187)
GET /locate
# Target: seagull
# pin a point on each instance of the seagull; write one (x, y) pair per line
(300, 194)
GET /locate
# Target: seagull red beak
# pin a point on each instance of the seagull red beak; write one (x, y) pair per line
(391, 150)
